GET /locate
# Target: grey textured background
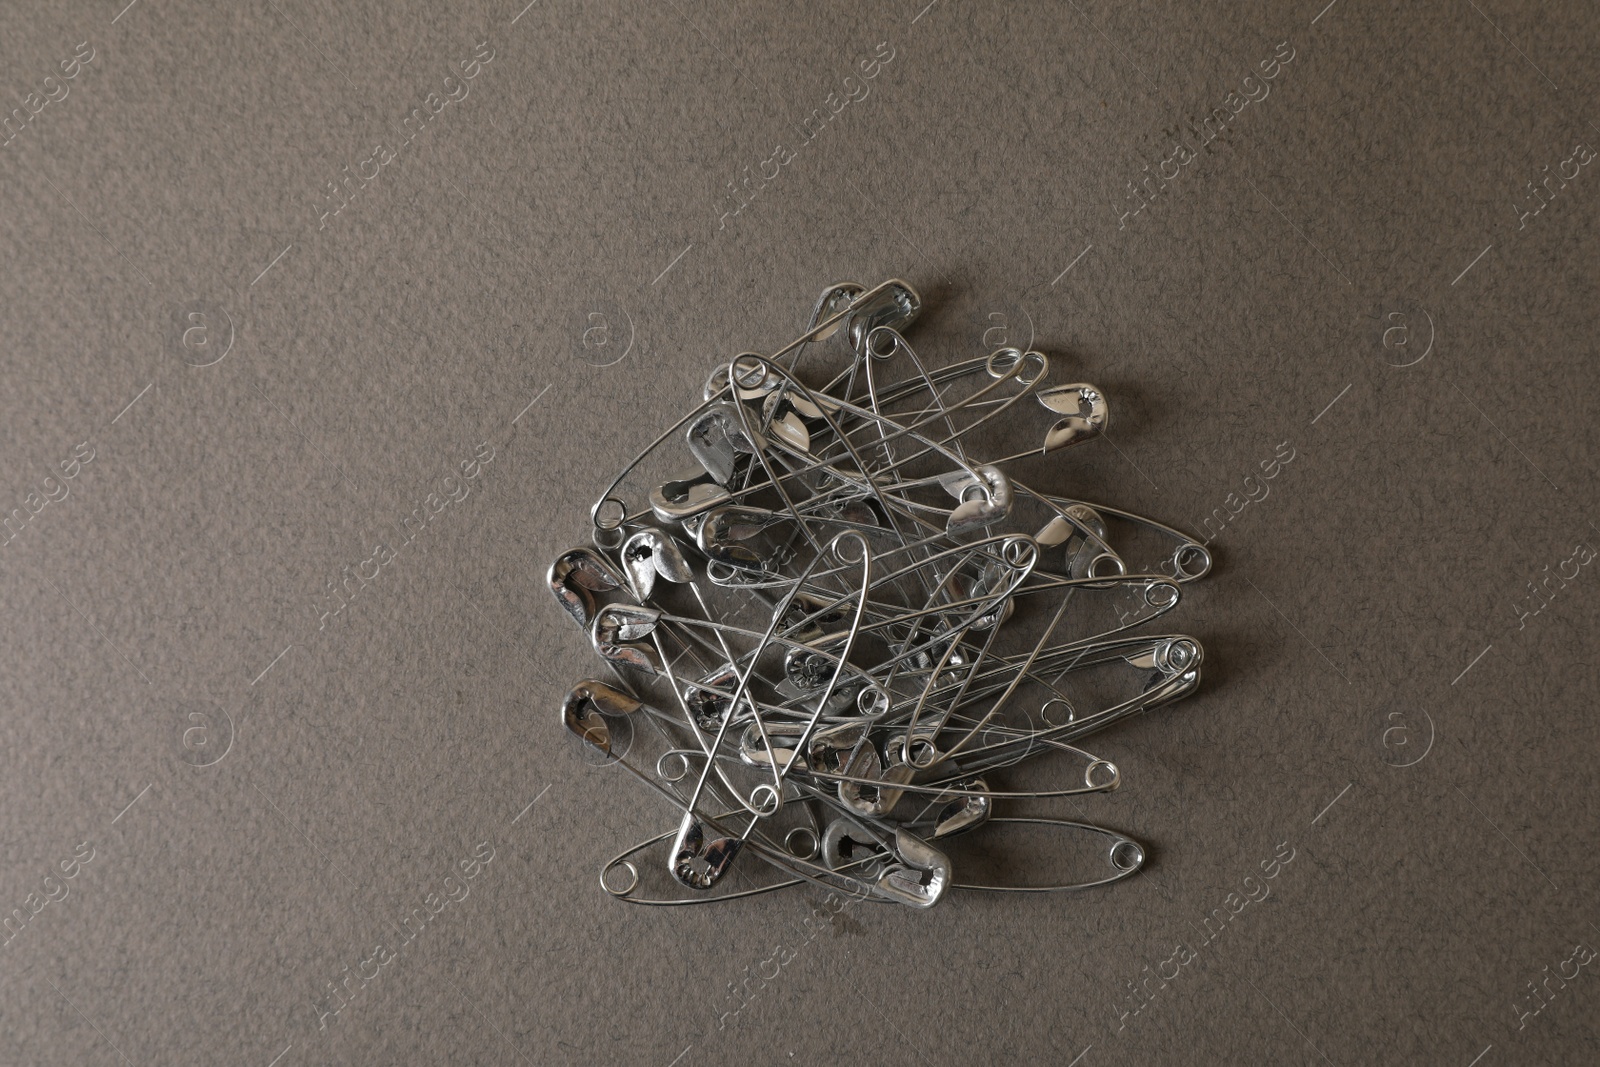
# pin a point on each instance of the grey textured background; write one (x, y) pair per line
(263, 793)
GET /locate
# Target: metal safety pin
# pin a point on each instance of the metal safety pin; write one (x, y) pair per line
(810, 462)
(1125, 856)
(576, 576)
(698, 863)
(1005, 365)
(848, 717)
(1172, 685)
(1188, 548)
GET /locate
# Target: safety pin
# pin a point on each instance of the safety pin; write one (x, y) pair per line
(865, 710)
(979, 681)
(1004, 365)
(1166, 689)
(1188, 547)
(912, 871)
(841, 880)
(574, 578)
(698, 863)
(1099, 776)
(961, 809)
(1063, 434)
(1083, 406)
(624, 861)
(1125, 857)
(586, 733)
(1063, 511)
(811, 462)
(905, 886)
(886, 303)
(906, 883)
(999, 702)
(1175, 658)
(1015, 554)
(997, 370)
(900, 293)
(1169, 654)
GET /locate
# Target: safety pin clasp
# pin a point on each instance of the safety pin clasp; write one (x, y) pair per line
(725, 534)
(968, 806)
(710, 705)
(880, 796)
(921, 876)
(784, 755)
(785, 414)
(1087, 414)
(903, 867)
(894, 304)
(583, 710)
(985, 497)
(682, 500)
(718, 438)
(617, 631)
(697, 862)
(811, 617)
(576, 576)
(650, 554)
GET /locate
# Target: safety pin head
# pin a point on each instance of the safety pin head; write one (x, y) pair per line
(785, 415)
(878, 799)
(995, 578)
(835, 299)
(709, 706)
(810, 617)
(984, 499)
(967, 810)
(649, 554)
(1087, 414)
(718, 438)
(805, 669)
(847, 846)
(861, 512)
(785, 756)
(830, 744)
(921, 876)
(809, 407)
(894, 305)
(576, 576)
(583, 710)
(725, 534)
(696, 862)
(904, 867)
(682, 500)
(616, 636)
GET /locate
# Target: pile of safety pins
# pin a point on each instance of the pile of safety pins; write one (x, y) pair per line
(828, 640)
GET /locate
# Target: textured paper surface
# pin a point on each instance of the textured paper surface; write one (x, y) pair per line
(534, 271)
